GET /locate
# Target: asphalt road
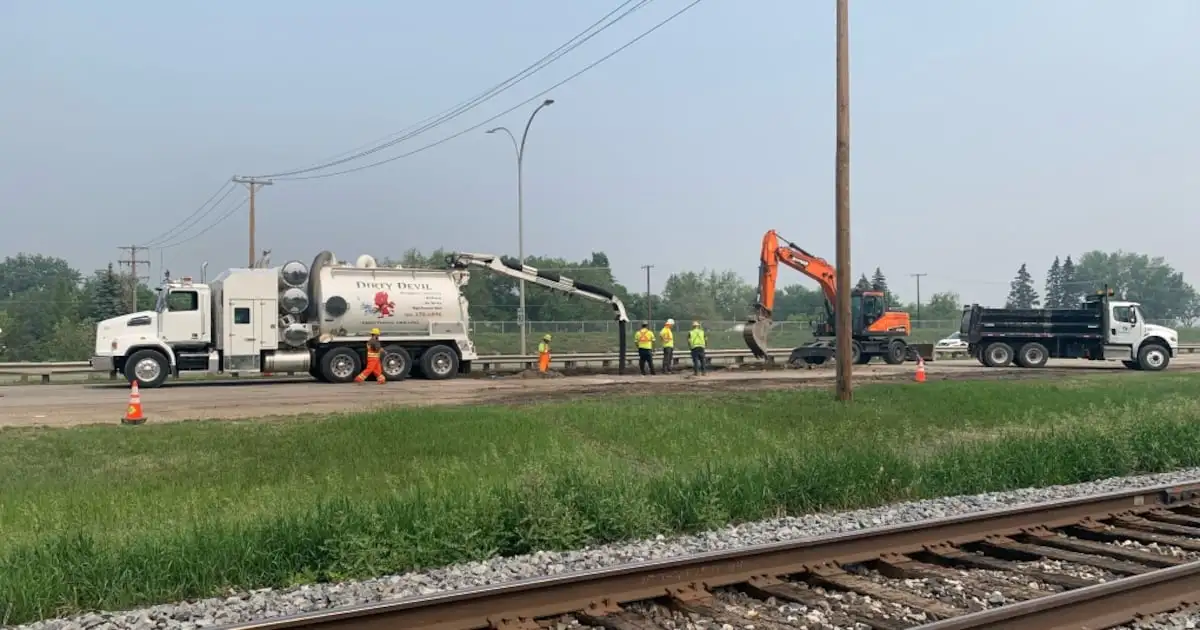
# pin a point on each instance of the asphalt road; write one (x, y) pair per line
(66, 405)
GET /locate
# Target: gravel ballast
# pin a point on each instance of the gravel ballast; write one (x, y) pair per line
(265, 603)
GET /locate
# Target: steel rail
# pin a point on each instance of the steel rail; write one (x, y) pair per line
(1100, 606)
(505, 604)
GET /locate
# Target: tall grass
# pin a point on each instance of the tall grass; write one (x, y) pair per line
(99, 517)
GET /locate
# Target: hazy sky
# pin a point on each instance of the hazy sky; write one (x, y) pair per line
(985, 134)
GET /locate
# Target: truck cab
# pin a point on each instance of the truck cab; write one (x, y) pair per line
(147, 345)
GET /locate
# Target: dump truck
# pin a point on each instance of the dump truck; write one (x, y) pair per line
(1101, 328)
(315, 318)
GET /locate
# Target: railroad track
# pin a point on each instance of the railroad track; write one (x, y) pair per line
(1096, 562)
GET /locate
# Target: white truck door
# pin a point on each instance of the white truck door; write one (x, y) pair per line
(242, 336)
(1124, 328)
(268, 319)
(180, 322)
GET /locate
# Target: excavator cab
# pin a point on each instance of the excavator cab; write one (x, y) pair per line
(866, 308)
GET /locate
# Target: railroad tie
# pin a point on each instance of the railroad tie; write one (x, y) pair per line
(764, 586)
(1088, 528)
(1004, 543)
(953, 556)
(903, 567)
(1046, 537)
(832, 576)
(608, 614)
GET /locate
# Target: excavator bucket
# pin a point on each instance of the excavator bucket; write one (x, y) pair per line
(754, 332)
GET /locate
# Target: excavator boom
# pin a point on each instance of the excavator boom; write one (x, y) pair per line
(772, 255)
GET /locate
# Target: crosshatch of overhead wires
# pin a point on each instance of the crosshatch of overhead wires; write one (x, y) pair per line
(425, 134)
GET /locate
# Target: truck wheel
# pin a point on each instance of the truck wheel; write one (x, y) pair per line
(396, 363)
(1032, 355)
(1133, 365)
(998, 354)
(340, 365)
(897, 351)
(1153, 358)
(148, 367)
(439, 363)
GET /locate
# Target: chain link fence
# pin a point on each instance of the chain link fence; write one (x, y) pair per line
(610, 326)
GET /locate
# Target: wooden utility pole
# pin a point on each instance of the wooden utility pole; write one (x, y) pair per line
(842, 205)
(649, 297)
(252, 183)
(918, 276)
(133, 262)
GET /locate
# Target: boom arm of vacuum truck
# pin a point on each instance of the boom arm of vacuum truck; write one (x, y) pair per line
(553, 281)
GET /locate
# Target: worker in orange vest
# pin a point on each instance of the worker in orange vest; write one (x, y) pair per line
(544, 354)
(374, 356)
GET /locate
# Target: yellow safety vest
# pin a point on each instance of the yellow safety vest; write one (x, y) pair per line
(645, 339)
(543, 347)
(696, 338)
(668, 339)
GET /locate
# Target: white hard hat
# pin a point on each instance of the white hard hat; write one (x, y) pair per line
(670, 322)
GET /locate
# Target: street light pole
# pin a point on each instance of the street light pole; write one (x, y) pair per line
(520, 149)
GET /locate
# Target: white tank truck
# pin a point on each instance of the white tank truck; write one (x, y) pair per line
(315, 319)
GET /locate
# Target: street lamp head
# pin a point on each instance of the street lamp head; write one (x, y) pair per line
(547, 102)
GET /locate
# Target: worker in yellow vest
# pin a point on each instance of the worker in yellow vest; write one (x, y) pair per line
(696, 342)
(645, 345)
(374, 359)
(544, 354)
(668, 346)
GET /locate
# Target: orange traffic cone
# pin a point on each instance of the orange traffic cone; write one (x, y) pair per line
(133, 413)
(920, 376)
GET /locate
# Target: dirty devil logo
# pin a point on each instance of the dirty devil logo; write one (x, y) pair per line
(383, 306)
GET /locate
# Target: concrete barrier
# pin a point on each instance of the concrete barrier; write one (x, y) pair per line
(36, 372)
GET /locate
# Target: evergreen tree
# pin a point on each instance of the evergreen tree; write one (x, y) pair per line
(1071, 291)
(1054, 285)
(879, 283)
(107, 295)
(863, 283)
(1021, 293)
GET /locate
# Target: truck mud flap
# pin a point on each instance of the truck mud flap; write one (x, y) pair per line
(621, 335)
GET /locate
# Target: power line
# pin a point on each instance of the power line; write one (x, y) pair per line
(186, 225)
(227, 187)
(214, 224)
(466, 106)
(505, 112)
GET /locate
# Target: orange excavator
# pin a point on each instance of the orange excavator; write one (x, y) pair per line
(877, 331)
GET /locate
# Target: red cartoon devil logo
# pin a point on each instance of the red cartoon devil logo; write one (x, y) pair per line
(383, 306)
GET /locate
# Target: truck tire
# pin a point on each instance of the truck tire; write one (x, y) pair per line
(1032, 355)
(149, 368)
(340, 365)
(397, 363)
(997, 354)
(897, 352)
(439, 363)
(1153, 358)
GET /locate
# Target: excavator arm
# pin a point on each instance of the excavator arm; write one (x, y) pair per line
(773, 254)
(552, 281)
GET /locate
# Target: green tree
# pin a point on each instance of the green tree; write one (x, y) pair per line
(879, 283)
(864, 283)
(1071, 291)
(103, 296)
(1021, 293)
(1160, 289)
(1055, 297)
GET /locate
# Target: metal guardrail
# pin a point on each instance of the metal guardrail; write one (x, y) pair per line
(493, 362)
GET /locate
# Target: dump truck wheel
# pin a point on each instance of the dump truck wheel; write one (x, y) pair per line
(1032, 355)
(397, 363)
(439, 363)
(998, 354)
(1153, 358)
(340, 365)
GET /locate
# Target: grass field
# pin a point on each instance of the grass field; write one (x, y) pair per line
(110, 517)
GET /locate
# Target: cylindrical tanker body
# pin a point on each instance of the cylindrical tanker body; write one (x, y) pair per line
(350, 301)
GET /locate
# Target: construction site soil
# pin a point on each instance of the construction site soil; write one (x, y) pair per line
(71, 405)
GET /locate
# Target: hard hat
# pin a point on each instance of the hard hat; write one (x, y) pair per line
(695, 324)
(671, 322)
(375, 331)
(644, 324)
(546, 336)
